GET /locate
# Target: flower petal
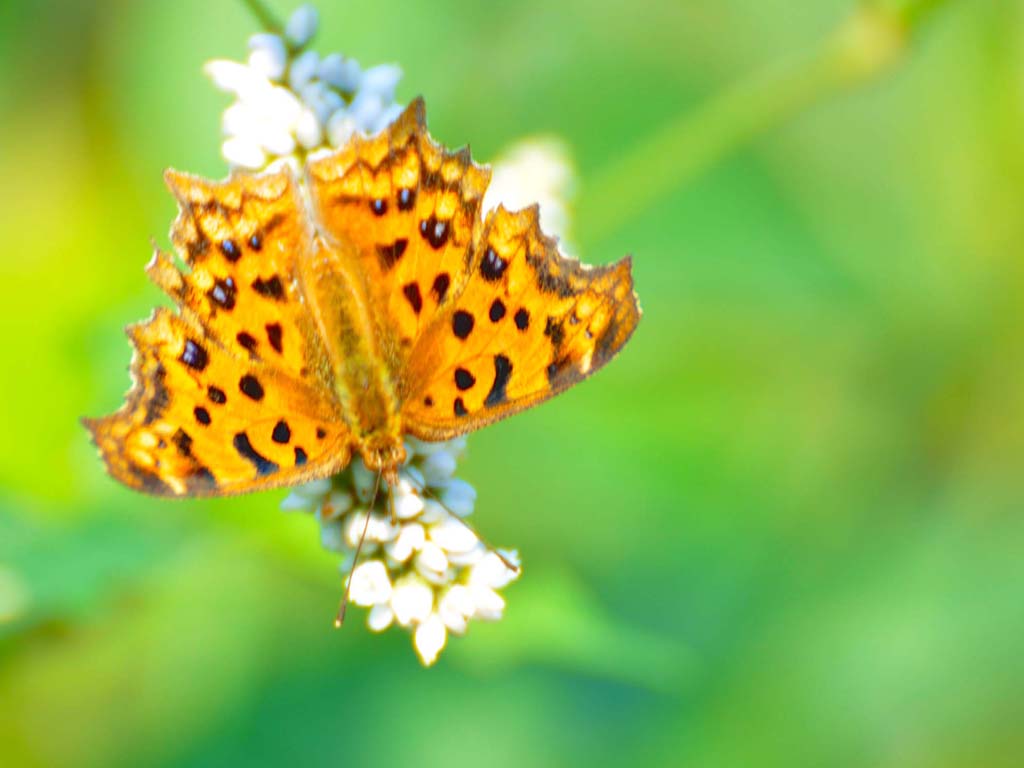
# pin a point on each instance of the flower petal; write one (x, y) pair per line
(430, 638)
(370, 584)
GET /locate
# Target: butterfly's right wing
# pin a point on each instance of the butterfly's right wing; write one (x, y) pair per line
(528, 324)
(233, 392)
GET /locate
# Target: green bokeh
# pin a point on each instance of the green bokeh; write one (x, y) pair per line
(782, 528)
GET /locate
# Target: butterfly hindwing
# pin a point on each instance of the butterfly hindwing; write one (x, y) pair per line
(199, 421)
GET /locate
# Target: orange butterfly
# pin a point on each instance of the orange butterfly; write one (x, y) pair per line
(338, 317)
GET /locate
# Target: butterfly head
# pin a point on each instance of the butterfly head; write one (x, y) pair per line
(385, 454)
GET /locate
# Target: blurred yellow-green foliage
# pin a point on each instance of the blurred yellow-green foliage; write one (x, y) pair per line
(783, 528)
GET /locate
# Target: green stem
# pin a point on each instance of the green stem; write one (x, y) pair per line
(264, 16)
(870, 41)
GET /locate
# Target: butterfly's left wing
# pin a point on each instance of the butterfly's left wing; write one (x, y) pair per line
(231, 393)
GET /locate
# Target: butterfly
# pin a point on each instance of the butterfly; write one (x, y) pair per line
(330, 318)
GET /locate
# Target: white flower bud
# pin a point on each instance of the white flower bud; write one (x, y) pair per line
(453, 535)
(302, 70)
(433, 513)
(344, 74)
(388, 116)
(489, 604)
(432, 558)
(408, 503)
(340, 128)
(469, 557)
(492, 572)
(335, 505)
(438, 467)
(430, 638)
(301, 26)
(409, 539)
(268, 55)
(235, 78)
(243, 153)
(456, 607)
(332, 536)
(295, 502)
(313, 489)
(363, 480)
(459, 497)
(308, 130)
(380, 617)
(370, 584)
(412, 599)
(365, 108)
(381, 81)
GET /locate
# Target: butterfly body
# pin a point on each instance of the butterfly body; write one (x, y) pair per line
(328, 319)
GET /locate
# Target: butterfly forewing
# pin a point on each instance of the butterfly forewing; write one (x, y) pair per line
(233, 393)
(201, 421)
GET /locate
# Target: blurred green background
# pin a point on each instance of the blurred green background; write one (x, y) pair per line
(783, 528)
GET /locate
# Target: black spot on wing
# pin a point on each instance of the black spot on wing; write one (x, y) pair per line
(271, 288)
(497, 310)
(492, 266)
(462, 324)
(379, 206)
(460, 407)
(251, 387)
(264, 466)
(300, 456)
(274, 334)
(202, 415)
(440, 287)
(406, 199)
(412, 295)
(502, 373)
(194, 356)
(282, 432)
(390, 254)
(223, 294)
(464, 379)
(230, 250)
(434, 231)
(216, 395)
(183, 442)
(246, 340)
(522, 319)
(553, 330)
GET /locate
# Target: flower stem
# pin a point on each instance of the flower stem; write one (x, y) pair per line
(870, 40)
(264, 16)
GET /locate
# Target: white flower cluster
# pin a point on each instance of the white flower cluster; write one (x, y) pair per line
(290, 101)
(425, 570)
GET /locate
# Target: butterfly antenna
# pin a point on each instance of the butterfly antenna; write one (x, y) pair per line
(508, 564)
(391, 503)
(340, 618)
